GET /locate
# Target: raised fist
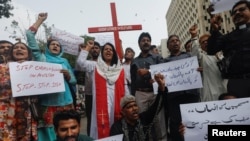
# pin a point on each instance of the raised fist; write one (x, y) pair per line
(42, 16)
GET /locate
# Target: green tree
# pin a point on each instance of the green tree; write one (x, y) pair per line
(5, 8)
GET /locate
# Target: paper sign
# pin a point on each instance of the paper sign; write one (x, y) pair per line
(222, 5)
(35, 78)
(69, 42)
(179, 75)
(112, 138)
(104, 38)
(197, 116)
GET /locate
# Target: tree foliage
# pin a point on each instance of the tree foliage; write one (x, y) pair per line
(5, 8)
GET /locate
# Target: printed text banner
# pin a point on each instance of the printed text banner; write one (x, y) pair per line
(112, 138)
(35, 78)
(197, 116)
(179, 75)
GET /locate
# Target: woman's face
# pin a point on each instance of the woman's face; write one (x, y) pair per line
(108, 53)
(20, 52)
(55, 47)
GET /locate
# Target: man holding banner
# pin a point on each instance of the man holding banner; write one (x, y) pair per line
(174, 99)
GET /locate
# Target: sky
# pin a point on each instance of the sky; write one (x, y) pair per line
(77, 16)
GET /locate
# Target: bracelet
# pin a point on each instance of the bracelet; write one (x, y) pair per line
(33, 29)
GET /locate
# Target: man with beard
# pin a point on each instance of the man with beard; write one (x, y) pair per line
(94, 53)
(174, 99)
(135, 126)
(235, 65)
(67, 126)
(5, 47)
(141, 82)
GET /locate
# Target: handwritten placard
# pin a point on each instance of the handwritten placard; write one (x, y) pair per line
(35, 78)
(197, 116)
(103, 38)
(179, 75)
(222, 5)
(68, 41)
(112, 138)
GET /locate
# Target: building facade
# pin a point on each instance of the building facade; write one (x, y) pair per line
(182, 14)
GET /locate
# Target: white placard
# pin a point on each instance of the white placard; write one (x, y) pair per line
(222, 5)
(103, 38)
(69, 42)
(112, 138)
(179, 75)
(197, 116)
(35, 78)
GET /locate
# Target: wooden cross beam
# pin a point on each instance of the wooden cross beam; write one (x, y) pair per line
(115, 28)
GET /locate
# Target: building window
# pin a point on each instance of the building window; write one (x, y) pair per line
(207, 29)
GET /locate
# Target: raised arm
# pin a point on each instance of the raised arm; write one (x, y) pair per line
(154, 109)
(30, 34)
(193, 30)
(214, 42)
(82, 62)
(41, 18)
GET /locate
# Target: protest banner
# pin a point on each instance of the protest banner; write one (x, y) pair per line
(35, 78)
(103, 38)
(197, 116)
(179, 75)
(68, 41)
(222, 5)
(112, 138)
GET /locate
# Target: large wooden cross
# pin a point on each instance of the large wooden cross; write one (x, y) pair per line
(115, 29)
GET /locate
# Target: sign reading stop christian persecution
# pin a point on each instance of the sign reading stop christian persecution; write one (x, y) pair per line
(35, 78)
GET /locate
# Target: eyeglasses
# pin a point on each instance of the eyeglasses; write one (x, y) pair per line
(241, 9)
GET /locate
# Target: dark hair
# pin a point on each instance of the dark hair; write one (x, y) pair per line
(144, 34)
(241, 2)
(129, 48)
(5, 41)
(115, 56)
(12, 58)
(97, 44)
(51, 40)
(152, 47)
(189, 41)
(223, 95)
(65, 115)
(171, 36)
